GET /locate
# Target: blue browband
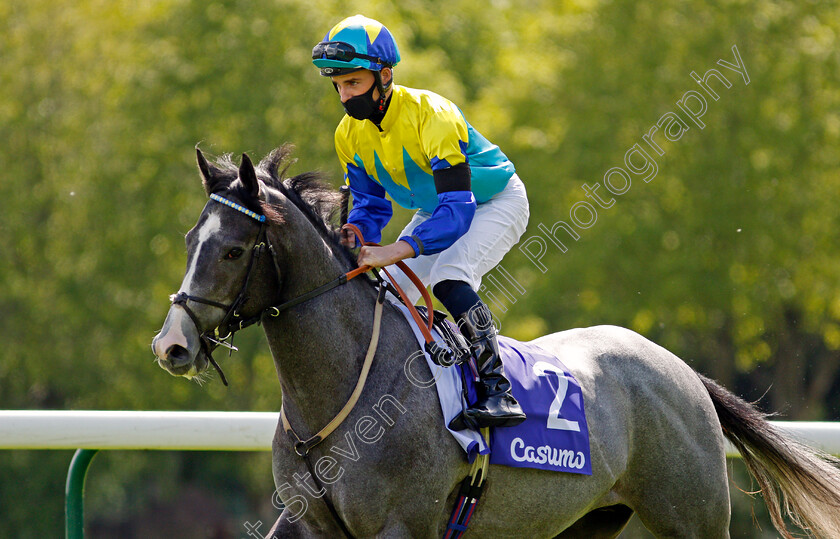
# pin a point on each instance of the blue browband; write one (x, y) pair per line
(237, 207)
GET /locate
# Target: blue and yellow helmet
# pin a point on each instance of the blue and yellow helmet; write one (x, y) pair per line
(356, 43)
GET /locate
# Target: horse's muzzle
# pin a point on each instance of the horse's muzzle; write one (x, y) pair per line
(178, 347)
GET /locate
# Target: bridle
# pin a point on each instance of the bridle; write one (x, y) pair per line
(232, 322)
(213, 338)
(222, 334)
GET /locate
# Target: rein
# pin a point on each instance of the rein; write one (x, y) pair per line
(303, 447)
(213, 338)
(471, 486)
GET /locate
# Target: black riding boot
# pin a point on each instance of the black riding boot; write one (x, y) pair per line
(496, 406)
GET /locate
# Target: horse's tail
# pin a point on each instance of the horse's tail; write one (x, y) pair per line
(795, 479)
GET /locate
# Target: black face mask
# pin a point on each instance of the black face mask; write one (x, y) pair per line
(361, 107)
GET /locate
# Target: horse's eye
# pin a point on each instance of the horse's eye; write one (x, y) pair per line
(234, 253)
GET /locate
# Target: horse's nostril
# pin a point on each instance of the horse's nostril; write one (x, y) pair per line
(178, 356)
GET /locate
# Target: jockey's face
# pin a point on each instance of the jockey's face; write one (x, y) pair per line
(359, 82)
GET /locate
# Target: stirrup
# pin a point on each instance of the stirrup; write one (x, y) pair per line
(463, 422)
(510, 420)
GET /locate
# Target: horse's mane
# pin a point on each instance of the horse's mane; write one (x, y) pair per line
(309, 192)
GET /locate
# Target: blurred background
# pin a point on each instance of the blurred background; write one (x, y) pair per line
(728, 256)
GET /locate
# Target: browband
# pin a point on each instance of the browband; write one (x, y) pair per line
(237, 207)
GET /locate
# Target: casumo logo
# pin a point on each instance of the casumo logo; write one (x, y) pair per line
(546, 454)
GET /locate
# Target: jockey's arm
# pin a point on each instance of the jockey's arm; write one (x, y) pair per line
(386, 255)
(449, 221)
(371, 210)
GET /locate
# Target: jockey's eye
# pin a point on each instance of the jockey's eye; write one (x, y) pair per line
(234, 253)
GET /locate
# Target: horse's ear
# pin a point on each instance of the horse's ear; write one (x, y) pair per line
(248, 176)
(210, 176)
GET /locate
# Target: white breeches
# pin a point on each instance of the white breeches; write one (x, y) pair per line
(496, 228)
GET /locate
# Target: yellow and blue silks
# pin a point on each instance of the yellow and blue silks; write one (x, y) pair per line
(421, 132)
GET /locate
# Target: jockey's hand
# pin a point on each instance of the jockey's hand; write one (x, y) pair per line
(348, 238)
(386, 255)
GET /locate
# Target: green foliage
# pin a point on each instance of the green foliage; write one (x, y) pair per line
(727, 256)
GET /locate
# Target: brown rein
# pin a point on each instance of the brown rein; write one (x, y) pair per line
(302, 447)
(472, 486)
(425, 326)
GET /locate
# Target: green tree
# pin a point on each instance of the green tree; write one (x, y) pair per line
(727, 256)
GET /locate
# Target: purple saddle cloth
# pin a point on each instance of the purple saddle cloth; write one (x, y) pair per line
(555, 435)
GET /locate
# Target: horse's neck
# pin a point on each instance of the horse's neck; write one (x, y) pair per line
(319, 346)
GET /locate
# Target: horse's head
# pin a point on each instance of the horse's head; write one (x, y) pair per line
(230, 273)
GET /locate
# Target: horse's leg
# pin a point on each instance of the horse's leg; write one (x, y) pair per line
(396, 530)
(288, 526)
(694, 511)
(603, 523)
(676, 480)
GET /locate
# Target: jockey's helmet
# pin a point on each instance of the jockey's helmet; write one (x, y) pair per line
(356, 43)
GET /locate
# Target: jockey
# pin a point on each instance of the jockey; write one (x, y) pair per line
(417, 147)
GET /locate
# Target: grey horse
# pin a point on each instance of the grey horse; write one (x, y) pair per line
(391, 469)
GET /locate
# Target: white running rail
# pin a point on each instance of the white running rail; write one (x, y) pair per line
(220, 431)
